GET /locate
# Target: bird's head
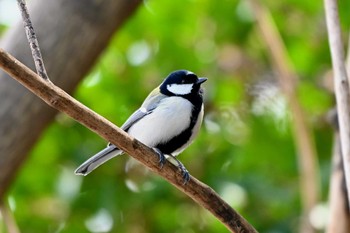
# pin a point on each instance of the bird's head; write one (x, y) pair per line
(181, 83)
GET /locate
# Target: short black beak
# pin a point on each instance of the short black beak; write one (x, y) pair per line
(201, 80)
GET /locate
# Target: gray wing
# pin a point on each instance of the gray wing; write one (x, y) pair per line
(136, 116)
(146, 108)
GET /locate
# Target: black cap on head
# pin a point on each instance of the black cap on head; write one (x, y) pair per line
(181, 82)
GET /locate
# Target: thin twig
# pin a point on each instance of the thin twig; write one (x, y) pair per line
(341, 84)
(57, 98)
(9, 220)
(33, 41)
(307, 156)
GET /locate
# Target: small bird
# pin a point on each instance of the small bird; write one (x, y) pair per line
(167, 121)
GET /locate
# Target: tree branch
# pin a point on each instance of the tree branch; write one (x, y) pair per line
(57, 98)
(341, 84)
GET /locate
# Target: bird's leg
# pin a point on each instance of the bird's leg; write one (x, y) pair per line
(185, 173)
(161, 157)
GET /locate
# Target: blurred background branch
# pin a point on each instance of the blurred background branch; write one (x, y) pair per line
(7, 216)
(308, 163)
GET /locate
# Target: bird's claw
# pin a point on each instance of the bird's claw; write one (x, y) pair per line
(184, 171)
(161, 157)
(185, 174)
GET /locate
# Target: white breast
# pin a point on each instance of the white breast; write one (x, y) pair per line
(169, 119)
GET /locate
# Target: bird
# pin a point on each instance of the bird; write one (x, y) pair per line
(168, 121)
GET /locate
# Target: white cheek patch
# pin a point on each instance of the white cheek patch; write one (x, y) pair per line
(180, 89)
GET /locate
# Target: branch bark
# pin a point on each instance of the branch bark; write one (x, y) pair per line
(57, 98)
(307, 156)
(341, 84)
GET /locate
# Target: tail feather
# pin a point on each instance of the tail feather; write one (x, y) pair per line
(98, 159)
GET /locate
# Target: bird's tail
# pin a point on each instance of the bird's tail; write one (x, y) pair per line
(101, 157)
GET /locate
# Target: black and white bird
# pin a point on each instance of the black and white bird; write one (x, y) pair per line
(167, 121)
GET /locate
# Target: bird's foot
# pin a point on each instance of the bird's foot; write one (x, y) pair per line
(161, 157)
(184, 171)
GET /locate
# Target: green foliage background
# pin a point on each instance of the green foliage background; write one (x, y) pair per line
(245, 150)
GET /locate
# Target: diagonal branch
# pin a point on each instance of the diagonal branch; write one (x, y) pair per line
(341, 84)
(57, 98)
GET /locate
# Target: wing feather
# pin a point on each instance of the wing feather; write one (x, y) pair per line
(150, 103)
